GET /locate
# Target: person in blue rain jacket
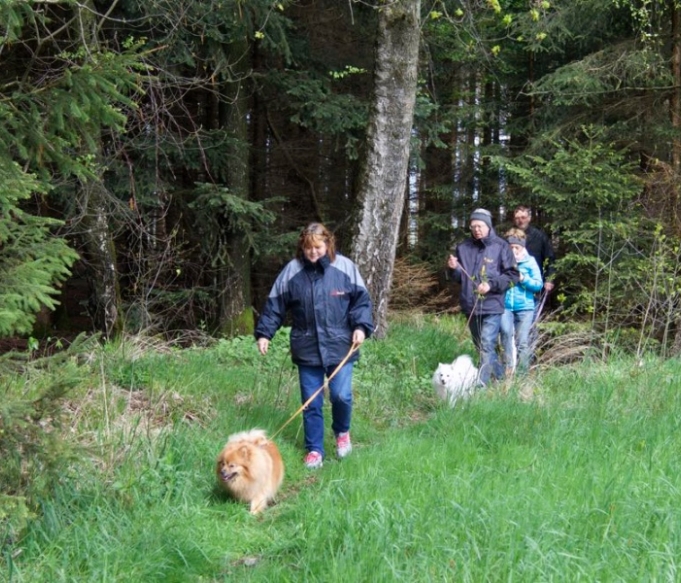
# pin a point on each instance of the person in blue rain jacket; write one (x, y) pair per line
(331, 310)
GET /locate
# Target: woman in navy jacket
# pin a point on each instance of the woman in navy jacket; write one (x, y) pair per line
(331, 309)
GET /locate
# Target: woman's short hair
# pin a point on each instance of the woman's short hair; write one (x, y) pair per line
(313, 234)
(517, 233)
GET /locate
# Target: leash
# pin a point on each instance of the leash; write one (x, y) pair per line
(353, 348)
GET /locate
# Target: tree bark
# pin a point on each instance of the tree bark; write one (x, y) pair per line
(384, 173)
(675, 115)
(675, 102)
(101, 258)
(236, 314)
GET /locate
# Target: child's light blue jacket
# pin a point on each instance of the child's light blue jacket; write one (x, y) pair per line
(520, 297)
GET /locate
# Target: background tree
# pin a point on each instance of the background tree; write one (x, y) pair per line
(57, 94)
(606, 90)
(383, 178)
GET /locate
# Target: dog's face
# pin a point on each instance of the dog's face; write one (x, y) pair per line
(444, 374)
(233, 462)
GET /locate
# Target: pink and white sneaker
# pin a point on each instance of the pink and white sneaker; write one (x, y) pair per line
(313, 460)
(343, 444)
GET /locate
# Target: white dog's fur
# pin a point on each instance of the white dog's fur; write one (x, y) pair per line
(456, 380)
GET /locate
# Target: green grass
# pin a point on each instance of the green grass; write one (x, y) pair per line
(574, 475)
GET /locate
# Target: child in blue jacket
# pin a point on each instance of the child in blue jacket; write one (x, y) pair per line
(518, 317)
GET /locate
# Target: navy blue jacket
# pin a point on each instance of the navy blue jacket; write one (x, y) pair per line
(328, 302)
(488, 259)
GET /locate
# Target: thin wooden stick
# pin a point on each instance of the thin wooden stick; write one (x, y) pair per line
(353, 348)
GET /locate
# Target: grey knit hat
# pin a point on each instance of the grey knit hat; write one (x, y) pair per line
(482, 215)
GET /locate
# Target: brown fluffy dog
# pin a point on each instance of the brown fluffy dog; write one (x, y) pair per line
(250, 468)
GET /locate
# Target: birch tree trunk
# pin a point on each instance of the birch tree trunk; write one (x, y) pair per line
(383, 176)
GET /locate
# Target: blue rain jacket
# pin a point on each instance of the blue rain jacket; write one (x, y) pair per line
(520, 297)
(327, 301)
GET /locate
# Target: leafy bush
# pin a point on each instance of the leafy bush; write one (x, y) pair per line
(34, 456)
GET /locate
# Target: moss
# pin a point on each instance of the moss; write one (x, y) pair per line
(241, 325)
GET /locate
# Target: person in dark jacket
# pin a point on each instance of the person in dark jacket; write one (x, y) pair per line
(538, 245)
(331, 310)
(485, 267)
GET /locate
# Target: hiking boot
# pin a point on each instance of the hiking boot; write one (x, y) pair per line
(313, 460)
(343, 444)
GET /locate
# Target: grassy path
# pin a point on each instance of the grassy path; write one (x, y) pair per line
(572, 476)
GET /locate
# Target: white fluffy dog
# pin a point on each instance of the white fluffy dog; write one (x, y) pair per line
(456, 380)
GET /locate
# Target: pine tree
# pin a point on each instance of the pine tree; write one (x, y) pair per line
(32, 260)
(62, 100)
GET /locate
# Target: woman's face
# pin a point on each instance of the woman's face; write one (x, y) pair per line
(315, 250)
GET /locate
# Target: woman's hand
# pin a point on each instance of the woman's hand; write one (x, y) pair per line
(263, 345)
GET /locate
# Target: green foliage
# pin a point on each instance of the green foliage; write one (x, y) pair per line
(319, 106)
(32, 260)
(584, 175)
(217, 209)
(16, 15)
(53, 112)
(616, 265)
(15, 516)
(601, 63)
(55, 128)
(35, 456)
(614, 69)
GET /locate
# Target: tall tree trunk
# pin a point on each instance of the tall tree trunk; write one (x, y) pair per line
(489, 179)
(675, 106)
(435, 199)
(95, 220)
(471, 174)
(236, 314)
(101, 257)
(384, 173)
(675, 114)
(263, 273)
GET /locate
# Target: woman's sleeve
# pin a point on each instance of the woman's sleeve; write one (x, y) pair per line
(274, 310)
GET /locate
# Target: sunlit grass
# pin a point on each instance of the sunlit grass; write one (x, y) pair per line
(572, 475)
